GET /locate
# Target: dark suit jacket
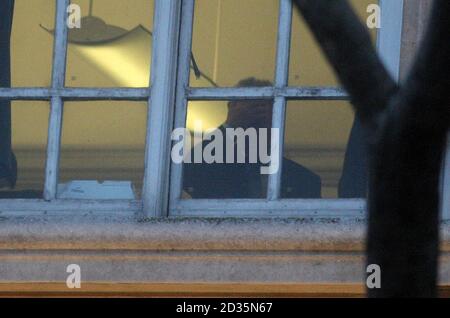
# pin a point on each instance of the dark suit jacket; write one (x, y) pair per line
(243, 180)
(354, 180)
(7, 159)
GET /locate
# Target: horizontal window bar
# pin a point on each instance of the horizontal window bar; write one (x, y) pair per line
(75, 93)
(310, 93)
(193, 93)
(264, 208)
(14, 207)
(25, 93)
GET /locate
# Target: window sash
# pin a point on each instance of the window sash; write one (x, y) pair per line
(57, 94)
(388, 43)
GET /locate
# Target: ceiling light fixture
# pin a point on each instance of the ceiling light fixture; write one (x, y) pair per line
(124, 56)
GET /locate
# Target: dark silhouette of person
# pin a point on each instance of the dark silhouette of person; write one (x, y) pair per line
(244, 180)
(8, 164)
(354, 179)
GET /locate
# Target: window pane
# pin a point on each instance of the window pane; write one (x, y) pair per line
(31, 44)
(113, 45)
(102, 142)
(229, 166)
(23, 140)
(234, 39)
(317, 137)
(308, 65)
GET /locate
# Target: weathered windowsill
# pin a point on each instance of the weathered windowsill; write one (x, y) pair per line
(89, 233)
(211, 251)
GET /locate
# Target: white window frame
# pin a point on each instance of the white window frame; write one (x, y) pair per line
(168, 96)
(388, 43)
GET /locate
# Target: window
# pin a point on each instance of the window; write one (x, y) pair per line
(76, 140)
(307, 106)
(115, 96)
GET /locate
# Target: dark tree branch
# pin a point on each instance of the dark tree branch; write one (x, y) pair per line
(403, 235)
(407, 129)
(349, 49)
(428, 83)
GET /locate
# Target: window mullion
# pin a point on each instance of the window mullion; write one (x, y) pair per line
(163, 79)
(281, 81)
(56, 102)
(184, 62)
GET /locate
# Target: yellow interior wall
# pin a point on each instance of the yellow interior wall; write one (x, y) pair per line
(107, 123)
(31, 46)
(317, 131)
(237, 38)
(233, 39)
(31, 66)
(308, 65)
(125, 14)
(30, 142)
(92, 127)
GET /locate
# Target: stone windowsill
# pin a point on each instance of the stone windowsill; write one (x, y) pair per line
(178, 251)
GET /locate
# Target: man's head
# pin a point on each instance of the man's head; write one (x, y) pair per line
(250, 113)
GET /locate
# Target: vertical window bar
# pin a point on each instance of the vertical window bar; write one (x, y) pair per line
(184, 61)
(161, 105)
(56, 104)
(281, 81)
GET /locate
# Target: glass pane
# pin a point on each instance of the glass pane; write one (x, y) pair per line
(317, 138)
(23, 140)
(113, 45)
(234, 39)
(308, 65)
(31, 44)
(102, 151)
(224, 161)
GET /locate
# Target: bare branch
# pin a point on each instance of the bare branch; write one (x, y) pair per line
(349, 49)
(426, 92)
(403, 233)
